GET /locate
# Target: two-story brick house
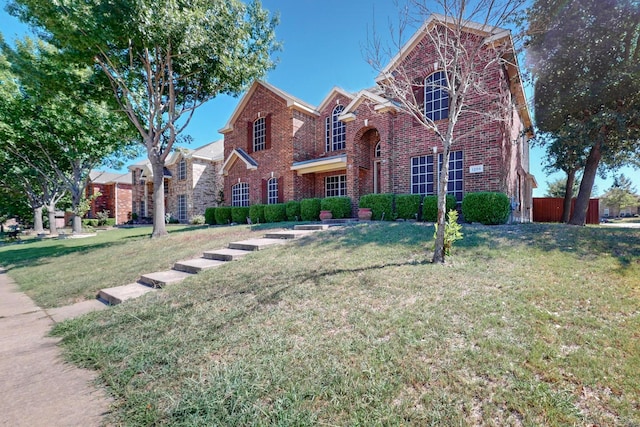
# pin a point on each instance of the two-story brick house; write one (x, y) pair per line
(192, 182)
(279, 148)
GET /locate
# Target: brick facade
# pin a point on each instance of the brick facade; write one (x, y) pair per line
(115, 195)
(494, 153)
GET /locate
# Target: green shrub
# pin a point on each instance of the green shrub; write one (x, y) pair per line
(430, 207)
(381, 206)
(310, 209)
(223, 215)
(210, 216)
(292, 208)
(239, 214)
(89, 222)
(486, 208)
(340, 207)
(197, 220)
(256, 213)
(275, 213)
(408, 205)
(110, 222)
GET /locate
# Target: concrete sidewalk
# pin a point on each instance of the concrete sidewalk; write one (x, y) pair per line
(38, 387)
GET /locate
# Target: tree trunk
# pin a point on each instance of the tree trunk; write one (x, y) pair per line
(76, 227)
(438, 253)
(37, 220)
(159, 228)
(76, 199)
(568, 195)
(53, 230)
(579, 216)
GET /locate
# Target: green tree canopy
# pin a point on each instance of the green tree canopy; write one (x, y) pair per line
(163, 58)
(585, 59)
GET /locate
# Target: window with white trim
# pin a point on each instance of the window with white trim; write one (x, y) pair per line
(259, 134)
(272, 191)
(424, 177)
(377, 152)
(240, 194)
(335, 186)
(436, 96)
(182, 207)
(182, 170)
(336, 131)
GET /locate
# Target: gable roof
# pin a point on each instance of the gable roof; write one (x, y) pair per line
(381, 103)
(333, 92)
(213, 151)
(292, 102)
(238, 153)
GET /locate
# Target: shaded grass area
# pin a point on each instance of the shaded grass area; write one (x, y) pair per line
(526, 325)
(60, 272)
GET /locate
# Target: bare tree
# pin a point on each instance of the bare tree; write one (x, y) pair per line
(471, 48)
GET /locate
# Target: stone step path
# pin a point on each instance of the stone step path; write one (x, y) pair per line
(210, 259)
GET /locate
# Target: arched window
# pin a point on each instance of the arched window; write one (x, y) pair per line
(259, 135)
(336, 130)
(436, 96)
(272, 191)
(377, 152)
(240, 194)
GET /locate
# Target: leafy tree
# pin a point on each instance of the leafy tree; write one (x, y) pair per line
(621, 195)
(163, 58)
(585, 59)
(469, 60)
(57, 127)
(558, 188)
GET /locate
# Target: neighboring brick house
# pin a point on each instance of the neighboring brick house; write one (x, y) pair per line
(115, 195)
(279, 148)
(192, 182)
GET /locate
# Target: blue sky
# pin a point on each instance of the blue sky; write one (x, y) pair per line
(323, 46)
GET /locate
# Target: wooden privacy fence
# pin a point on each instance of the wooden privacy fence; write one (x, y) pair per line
(549, 209)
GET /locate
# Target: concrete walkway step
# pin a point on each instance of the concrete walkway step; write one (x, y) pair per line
(197, 265)
(163, 278)
(256, 244)
(118, 294)
(288, 234)
(226, 254)
(311, 227)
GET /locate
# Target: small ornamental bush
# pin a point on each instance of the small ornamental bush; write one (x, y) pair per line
(408, 205)
(256, 213)
(275, 213)
(223, 215)
(197, 220)
(430, 207)
(210, 216)
(340, 207)
(381, 206)
(452, 231)
(310, 209)
(293, 210)
(110, 222)
(486, 208)
(239, 214)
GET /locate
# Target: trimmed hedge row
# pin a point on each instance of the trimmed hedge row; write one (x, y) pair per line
(486, 207)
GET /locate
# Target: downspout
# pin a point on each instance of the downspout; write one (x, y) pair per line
(116, 202)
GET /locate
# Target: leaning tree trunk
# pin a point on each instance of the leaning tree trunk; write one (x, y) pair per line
(568, 195)
(37, 220)
(579, 216)
(159, 227)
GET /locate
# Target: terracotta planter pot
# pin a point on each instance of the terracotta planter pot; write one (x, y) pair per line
(325, 215)
(364, 214)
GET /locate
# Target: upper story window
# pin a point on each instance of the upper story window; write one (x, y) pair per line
(182, 169)
(240, 194)
(377, 152)
(436, 96)
(336, 130)
(259, 135)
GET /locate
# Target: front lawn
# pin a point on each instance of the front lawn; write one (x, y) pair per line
(526, 325)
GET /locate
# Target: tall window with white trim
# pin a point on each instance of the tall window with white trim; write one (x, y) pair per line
(240, 194)
(182, 207)
(336, 131)
(272, 191)
(259, 135)
(436, 96)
